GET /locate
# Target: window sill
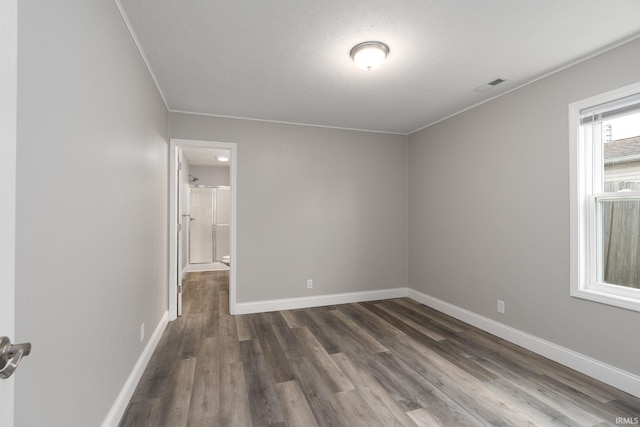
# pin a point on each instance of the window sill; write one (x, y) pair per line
(604, 297)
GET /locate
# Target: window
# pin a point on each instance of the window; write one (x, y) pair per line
(605, 198)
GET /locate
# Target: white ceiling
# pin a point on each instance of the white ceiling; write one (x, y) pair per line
(197, 156)
(288, 60)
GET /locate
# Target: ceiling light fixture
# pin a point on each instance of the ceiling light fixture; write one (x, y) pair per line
(222, 158)
(369, 55)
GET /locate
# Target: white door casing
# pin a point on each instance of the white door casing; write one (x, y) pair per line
(174, 274)
(8, 139)
(180, 219)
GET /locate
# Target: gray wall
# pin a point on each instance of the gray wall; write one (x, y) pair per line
(211, 175)
(489, 212)
(313, 203)
(91, 243)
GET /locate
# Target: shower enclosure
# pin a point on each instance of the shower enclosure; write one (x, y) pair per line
(209, 230)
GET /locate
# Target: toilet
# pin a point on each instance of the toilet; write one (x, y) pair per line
(226, 259)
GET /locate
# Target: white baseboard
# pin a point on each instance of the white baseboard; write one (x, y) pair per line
(317, 301)
(608, 374)
(120, 405)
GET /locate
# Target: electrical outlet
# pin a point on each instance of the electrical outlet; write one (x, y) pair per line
(142, 332)
(501, 306)
(309, 284)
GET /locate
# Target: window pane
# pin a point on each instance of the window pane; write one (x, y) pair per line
(619, 242)
(621, 153)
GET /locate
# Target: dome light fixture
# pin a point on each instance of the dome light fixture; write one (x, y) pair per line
(369, 55)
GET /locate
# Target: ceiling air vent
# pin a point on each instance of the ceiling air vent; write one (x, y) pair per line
(490, 85)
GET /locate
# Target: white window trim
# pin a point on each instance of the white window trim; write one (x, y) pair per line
(582, 223)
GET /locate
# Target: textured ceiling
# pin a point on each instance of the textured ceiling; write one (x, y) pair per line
(289, 61)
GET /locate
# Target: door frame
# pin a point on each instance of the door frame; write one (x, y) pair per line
(174, 279)
(8, 147)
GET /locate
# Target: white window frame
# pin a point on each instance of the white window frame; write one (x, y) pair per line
(584, 209)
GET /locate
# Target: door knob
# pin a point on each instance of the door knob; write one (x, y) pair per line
(10, 356)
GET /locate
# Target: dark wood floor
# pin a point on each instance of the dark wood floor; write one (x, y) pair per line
(383, 363)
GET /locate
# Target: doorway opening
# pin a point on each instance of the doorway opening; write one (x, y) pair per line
(202, 214)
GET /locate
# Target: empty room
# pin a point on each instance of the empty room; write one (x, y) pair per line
(336, 213)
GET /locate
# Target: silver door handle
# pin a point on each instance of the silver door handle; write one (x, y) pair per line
(10, 356)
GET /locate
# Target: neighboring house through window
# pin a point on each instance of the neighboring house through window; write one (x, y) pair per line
(605, 198)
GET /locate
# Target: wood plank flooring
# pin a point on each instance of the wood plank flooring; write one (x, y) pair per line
(381, 363)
